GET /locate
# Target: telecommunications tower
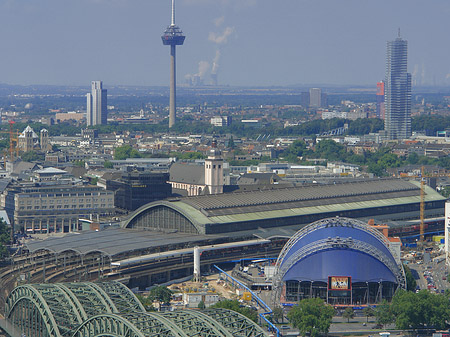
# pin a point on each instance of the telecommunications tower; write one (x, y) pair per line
(173, 36)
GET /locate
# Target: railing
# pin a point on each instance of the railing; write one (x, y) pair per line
(258, 300)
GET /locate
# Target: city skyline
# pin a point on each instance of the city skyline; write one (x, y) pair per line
(232, 42)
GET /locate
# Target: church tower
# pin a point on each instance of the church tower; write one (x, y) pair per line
(44, 140)
(214, 171)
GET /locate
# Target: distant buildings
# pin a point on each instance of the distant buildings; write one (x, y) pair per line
(97, 110)
(197, 179)
(221, 121)
(135, 189)
(380, 100)
(28, 140)
(69, 116)
(397, 122)
(54, 202)
(315, 98)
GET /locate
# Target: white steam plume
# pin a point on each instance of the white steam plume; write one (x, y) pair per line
(221, 38)
(219, 21)
(215, 64)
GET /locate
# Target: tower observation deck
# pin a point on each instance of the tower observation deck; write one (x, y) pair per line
(172, 36)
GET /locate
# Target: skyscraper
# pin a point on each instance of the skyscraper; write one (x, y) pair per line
(97, 109)
(315, 97)
(397, 122)
(380, 100)
(173, 36)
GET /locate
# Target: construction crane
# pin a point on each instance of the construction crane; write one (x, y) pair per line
(13, 143)
(422, 205)
(423, 178)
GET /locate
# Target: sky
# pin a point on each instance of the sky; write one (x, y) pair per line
(246, 42)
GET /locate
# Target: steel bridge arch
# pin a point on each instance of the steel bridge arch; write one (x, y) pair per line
(57, 309)
(196, 323)
(238, 324)
(18, 305)
(107, 325)
(122, 297)
(110, 309)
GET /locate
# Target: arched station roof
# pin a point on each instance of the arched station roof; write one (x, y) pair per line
(338, 247)
(111, 309)
(240, 211)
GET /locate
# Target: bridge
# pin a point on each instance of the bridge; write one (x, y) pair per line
(110, 309)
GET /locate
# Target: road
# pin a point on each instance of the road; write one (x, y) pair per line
(437, 271)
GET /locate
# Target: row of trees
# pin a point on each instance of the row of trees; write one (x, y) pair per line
(410, 310)
(5, 235)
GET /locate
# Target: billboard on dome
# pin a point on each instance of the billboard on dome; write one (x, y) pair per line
(339, 283)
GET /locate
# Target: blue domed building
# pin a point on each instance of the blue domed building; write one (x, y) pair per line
(342, 260)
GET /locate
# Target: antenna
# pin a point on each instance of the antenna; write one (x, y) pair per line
(173, 13)
(398, 27)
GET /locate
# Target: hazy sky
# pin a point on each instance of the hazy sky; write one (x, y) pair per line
(253, 42)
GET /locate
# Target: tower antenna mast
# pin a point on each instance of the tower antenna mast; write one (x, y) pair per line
(172, 36)
(173, 13)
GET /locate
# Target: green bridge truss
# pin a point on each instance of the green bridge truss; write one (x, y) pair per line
(111, 309)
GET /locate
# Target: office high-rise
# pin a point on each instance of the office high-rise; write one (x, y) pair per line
(97, 109)
(397, 122)
(380, 100)
(315, 97)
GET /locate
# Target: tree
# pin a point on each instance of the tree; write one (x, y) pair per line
(161, 294)
(201, 305)
(107, 164)
(236, 306)
(311, 316)
(348, 313)
(368, 312)
(146, 302)
(79, 163)
(384, 314)
(294, 151)
(278, 314)
(5, 232)
(32, 156)
(125, 151)
(231, 144)
(411, 283)
(420, 310)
